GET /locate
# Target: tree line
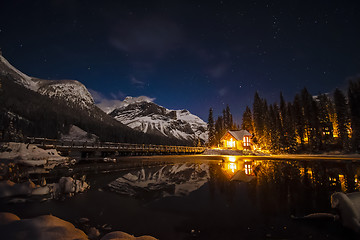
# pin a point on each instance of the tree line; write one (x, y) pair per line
(306, 124)
(25, 113)
(218, 128)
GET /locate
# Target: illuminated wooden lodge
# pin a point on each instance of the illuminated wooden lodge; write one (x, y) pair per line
(236, 140)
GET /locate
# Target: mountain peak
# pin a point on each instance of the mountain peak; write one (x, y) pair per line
(131, 100)
(143, 115)
(19, 77)
(72, 91)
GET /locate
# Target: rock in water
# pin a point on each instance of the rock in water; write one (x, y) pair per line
(41, 228)
(349, 208)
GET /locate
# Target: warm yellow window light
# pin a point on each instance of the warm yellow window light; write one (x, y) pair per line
(246, 141)
(231, 143)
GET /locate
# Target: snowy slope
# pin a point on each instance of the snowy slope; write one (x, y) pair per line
(149, 117)
(77, 134)
(20, 78)
(73, 92)
(69, 90)
(157, 182)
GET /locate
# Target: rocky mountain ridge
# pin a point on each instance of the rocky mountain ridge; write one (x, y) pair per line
(148, 117)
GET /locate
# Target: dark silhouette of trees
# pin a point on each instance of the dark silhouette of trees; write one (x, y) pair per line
(342, 118)
(354, 105)
(247, 121)
(211, 128)
(222, 124)
(308, 123)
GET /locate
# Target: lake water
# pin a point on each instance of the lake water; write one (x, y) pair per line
(199, 197)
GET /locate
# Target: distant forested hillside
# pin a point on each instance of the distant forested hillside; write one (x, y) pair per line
(27, 113)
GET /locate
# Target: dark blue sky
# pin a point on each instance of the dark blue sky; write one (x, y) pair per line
(187, 54)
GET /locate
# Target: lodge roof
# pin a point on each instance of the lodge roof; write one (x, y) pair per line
(239, 135)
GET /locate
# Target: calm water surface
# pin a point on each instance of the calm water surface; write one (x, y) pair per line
(199, 198)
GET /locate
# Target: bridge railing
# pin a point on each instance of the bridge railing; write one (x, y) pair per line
(45, 142)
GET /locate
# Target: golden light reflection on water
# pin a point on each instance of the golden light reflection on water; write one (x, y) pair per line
(231, 166)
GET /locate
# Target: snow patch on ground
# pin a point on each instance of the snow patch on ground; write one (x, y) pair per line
(78, 135)
(29, 154)
(124, 236)
(232, 152)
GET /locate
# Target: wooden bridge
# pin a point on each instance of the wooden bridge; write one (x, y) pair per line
(105, 149)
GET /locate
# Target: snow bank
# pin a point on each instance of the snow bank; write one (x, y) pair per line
(349, 207)
(233, 152)
(29, 154)
(124, 236)
(222, 152)
(42, 228)
(50, 227)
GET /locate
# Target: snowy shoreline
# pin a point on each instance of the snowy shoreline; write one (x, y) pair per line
(30, 155)
(50, 227)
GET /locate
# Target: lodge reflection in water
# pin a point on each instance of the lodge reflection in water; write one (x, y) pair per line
(232, 167)
(297, 187)
(338, 176)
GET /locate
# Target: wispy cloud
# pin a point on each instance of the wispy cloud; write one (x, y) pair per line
(108, 105)
(223, 91)
(136, 82)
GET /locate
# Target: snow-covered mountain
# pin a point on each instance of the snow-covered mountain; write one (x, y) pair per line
(148, 117)
(157, 182)
(72, 91)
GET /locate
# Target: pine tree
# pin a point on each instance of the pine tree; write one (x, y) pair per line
(219, 129)
(342, 118)
(354, 104)
(247, 122)
(290, 127)
(299, 120)
(273, 128)
(283, 140)
(211, 128)
(258, 118)
(326, 127)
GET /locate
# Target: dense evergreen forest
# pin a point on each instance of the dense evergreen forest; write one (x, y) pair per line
(326, 122)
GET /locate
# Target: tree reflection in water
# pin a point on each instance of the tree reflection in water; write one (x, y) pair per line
(286, 187)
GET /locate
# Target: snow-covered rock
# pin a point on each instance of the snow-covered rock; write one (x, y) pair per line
(29, 154)
(148, 117)
(349, 208)
(10, 189)
(41, 228)
(157, 182)
(69, 185)
(50, 227)
(124, 236)
(71, 91)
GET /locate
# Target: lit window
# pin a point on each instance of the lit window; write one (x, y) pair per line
(246, 141)
(231, 143)
(248, 169)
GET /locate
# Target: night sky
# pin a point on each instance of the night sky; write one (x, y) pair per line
(186, 54)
